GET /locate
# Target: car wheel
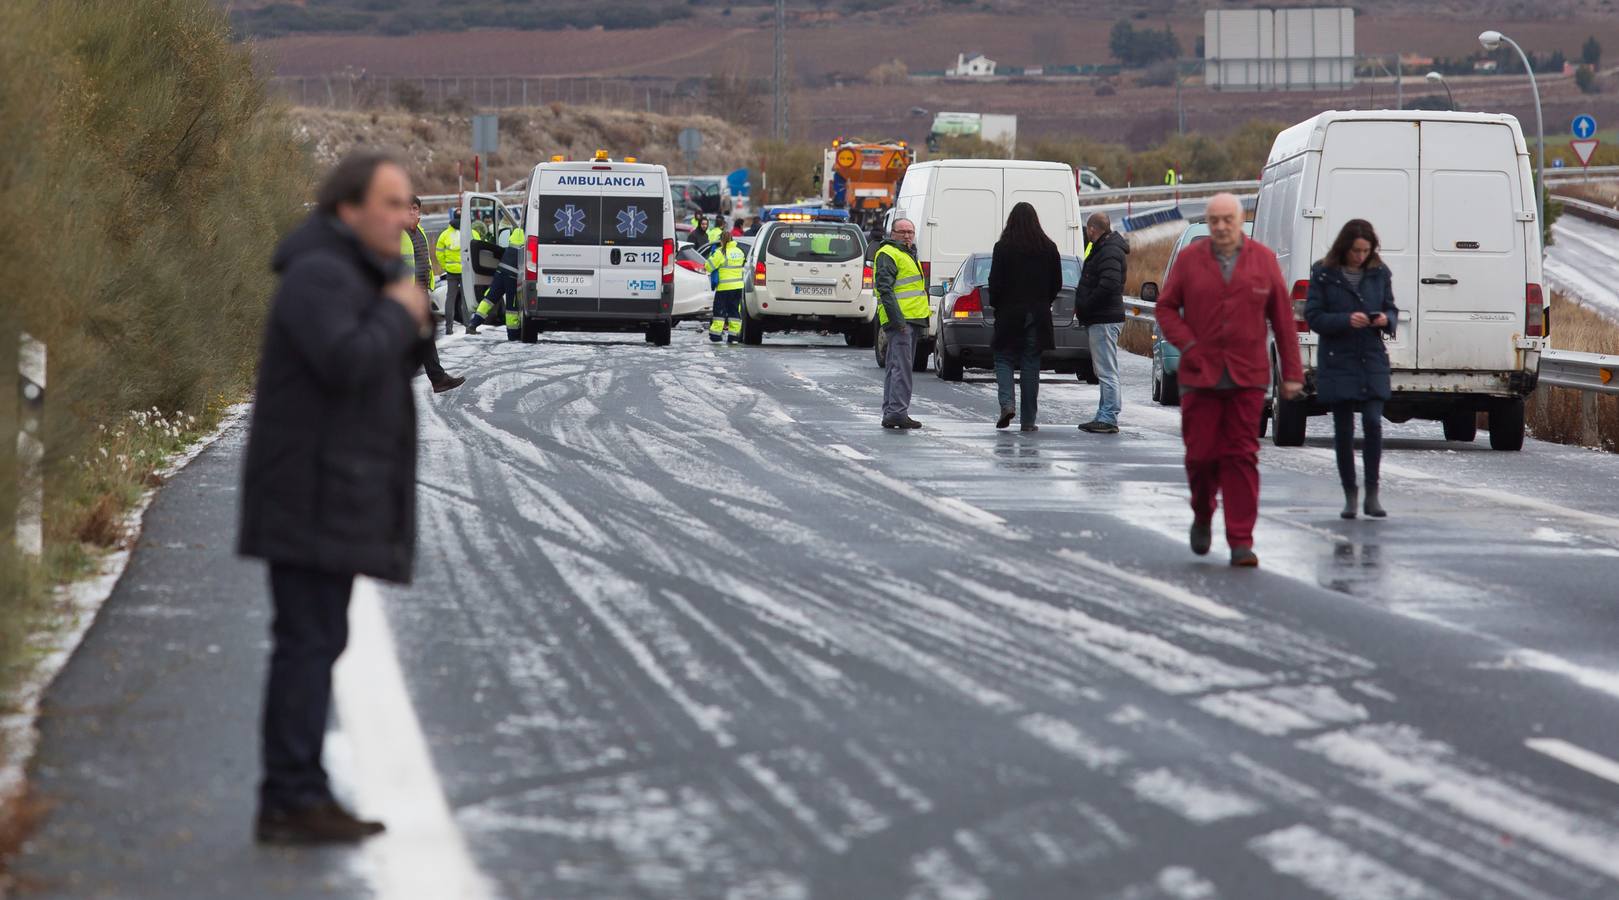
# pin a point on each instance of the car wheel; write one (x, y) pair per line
(924, 349)
(950, 367)
(1506, 424)
(850, 339)
(1265, 416)
(880, 343)
(529, 331)
(753, 333)
(1157, 390)
(658, 334)
(1086, 373)
(1170, 390)
(864, 335)
(1289, 427)
(1462, 425)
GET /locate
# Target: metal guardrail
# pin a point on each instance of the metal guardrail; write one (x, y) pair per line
(1585, 209)
(1207, 187)
(1579, 371)
(1595, 372)
(1571, 174)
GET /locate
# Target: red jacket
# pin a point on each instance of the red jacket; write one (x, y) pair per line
(1221, 327)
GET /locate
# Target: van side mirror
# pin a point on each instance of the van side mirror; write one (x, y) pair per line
(1149, 292)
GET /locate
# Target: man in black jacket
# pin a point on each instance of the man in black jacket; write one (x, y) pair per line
(1099, 306)
(330, 479)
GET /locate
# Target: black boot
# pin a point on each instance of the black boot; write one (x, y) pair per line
(1374, 508)
(513, 334)
(1352, 499)
(472, 326)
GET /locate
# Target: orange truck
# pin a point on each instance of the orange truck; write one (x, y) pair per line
(863, 177)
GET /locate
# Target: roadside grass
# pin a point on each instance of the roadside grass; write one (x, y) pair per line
(1146, 263)
(1561, 415)
(140, 141)
(1603, 192)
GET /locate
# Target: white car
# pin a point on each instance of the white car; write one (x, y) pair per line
(694, 292)
(808, 275)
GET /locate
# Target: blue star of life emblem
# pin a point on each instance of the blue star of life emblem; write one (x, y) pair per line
(569, 221)
(631, 222)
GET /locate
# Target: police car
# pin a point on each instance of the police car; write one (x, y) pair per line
(601, 248)
(807, 271)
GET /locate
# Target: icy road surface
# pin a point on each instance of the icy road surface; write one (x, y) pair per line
(689, 624)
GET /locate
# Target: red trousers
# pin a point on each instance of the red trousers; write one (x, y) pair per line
(1221, 430)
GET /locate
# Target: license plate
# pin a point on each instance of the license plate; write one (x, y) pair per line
(813, 290)
(568, 280)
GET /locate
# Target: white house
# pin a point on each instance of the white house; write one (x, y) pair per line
(975, 65)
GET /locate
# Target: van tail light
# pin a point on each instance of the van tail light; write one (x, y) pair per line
(531, 267)
(1301, 293)
(668, 260)
(968, 305)
(759, 273)
(927, 274)
(865, 278)
(1534, 307)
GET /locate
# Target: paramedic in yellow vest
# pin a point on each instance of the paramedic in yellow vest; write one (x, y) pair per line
(902, 312)
(716, 229)
(448, 250)
(502, 292)
(729, 262)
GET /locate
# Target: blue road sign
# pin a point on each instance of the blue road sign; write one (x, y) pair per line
(1584, 126)
(1557, 163)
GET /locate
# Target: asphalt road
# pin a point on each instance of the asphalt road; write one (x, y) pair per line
(688, 623)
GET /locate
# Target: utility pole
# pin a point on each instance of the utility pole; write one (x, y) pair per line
(780, 124)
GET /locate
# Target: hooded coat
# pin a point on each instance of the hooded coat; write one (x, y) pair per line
(1023, 281)
(330, 477)
(1352, 365)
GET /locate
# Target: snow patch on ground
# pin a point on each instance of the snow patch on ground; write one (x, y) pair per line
(1068, 740)
(1334, 868)
(1192, 798)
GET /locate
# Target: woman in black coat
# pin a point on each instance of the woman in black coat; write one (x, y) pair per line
(1351, 305)
(1024, 278)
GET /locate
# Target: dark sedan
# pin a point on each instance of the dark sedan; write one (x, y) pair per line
(967, 322)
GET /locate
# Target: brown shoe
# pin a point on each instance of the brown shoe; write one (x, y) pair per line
(449, 384)
(324, 823)
(1244, 558)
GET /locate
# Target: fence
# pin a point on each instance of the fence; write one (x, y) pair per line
(353, 91)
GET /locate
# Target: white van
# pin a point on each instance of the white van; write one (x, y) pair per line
(601, 249)
(1453, 201)
(959, 207)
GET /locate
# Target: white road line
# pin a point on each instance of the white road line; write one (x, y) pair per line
(422, 854)
(1164, 589)
(850, 452)
(1576, 756)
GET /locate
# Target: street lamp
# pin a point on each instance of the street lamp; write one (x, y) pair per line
(1492, 40)
(1436, 78)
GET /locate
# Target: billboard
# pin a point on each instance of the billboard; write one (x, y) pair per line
(1279, 49)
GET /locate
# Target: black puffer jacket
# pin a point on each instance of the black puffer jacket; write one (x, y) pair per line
(1352, 364)
(330, 477)
(1100, 297)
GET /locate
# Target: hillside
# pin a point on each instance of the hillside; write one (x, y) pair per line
(268, 18)
(431, 145)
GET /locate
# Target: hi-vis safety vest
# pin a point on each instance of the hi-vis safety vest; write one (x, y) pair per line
(910, 287)
(407, 250)
(715, 232)
(448, 248)
(729, 262)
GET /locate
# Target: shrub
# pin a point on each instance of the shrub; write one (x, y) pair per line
(142, 131)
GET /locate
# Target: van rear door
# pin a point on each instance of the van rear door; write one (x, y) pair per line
(1051, 193)
(482, 243)
(1369, 171)
(568, 233)
(630, 265)
(1471, 299)
(965, 217)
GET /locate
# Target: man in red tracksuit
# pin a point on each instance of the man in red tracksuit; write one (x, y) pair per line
(1214, 308)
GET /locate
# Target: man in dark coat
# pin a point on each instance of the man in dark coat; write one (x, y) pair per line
(329, 482)
(1099, 306)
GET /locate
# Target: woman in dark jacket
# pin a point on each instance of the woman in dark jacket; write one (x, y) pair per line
(1024, 278)
(1351, 305)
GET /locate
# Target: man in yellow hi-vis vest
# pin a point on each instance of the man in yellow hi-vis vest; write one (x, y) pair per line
(449, 251)
(729, 262)
(902, 311)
